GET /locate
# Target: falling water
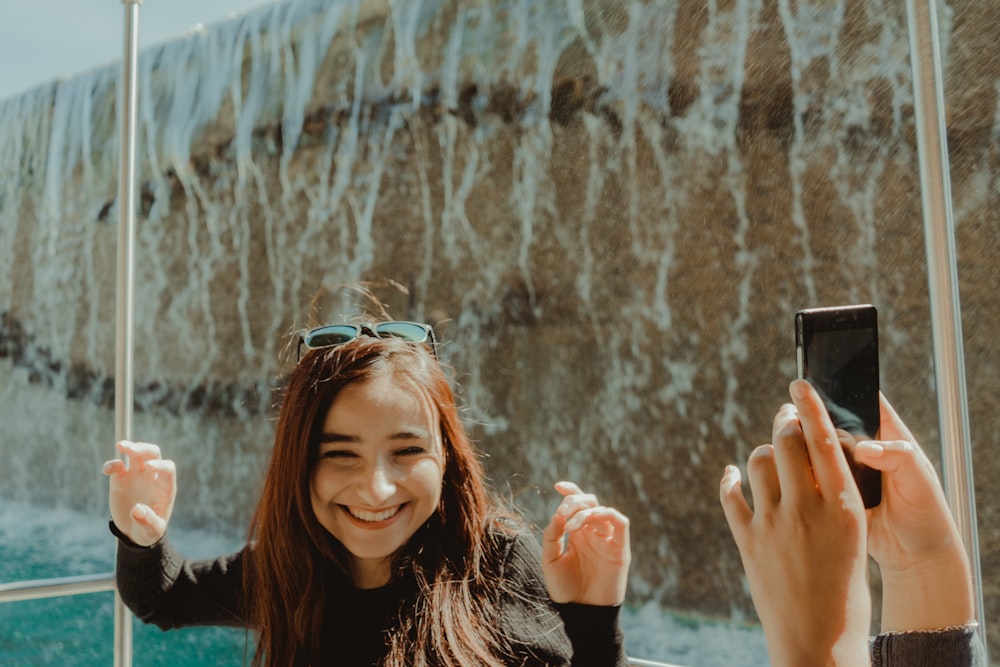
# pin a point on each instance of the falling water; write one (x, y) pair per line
(611, 211)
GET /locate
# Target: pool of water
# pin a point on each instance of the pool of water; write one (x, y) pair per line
(76, 631)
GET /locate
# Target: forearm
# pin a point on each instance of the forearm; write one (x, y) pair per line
(163, 588)
(935, 593)
(849, 650)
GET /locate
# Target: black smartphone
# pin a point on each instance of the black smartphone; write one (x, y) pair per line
(836, 349)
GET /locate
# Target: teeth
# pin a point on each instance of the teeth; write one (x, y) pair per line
(373, 516)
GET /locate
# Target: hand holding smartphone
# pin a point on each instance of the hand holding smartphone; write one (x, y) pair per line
(836, 350)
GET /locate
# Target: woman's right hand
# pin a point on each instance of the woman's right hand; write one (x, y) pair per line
(142, 491)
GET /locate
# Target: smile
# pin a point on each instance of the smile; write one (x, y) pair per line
(369, 516)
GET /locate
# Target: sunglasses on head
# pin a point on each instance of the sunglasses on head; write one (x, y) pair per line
(332, 335)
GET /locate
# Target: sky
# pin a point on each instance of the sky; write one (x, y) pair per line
(43, 40)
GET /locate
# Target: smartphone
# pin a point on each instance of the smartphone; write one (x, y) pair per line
(836, 350)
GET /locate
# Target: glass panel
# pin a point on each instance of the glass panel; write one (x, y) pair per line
(971, 95)
(609, 211)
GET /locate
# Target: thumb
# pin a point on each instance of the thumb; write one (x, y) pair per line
(552, 538)
(903, 461)
(150, 526)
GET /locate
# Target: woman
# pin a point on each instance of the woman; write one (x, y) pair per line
(375, 540)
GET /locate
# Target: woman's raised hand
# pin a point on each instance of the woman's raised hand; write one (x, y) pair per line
(142, 491)
(585, 550)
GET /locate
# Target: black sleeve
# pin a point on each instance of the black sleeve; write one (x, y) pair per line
(558, 634)
(949, 647)
(595, 633)
(163, 588)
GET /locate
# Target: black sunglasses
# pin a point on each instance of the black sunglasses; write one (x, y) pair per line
(332, 335)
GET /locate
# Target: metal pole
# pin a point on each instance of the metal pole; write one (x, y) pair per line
(57, 587)
(126, 262)
(942, 276)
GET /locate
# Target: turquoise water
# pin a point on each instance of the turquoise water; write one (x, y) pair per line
(76, 631)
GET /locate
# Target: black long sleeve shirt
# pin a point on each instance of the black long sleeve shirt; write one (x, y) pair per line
(162, 587)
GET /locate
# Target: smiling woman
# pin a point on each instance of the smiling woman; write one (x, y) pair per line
(375, 540)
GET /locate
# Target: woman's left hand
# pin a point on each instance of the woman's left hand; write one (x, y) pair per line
(585, 550)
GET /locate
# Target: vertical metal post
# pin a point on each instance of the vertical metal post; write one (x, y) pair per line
(126, 262)
(942, 276)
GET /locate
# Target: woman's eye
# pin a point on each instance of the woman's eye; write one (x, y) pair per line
(410, 451)
(337, 454)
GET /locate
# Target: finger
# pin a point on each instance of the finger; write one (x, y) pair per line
(893, 428)
(608, 540)
(791, 458)
(164, 468)
(576, 502)
(567, 488)
(113, 467)
(829, 463)
(765, 489)
(734, 505)
(903, 460)
(138, 451)
(604, 519)
(599, 530)
(552, 538)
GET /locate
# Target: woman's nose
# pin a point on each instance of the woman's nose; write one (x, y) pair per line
(378, 484)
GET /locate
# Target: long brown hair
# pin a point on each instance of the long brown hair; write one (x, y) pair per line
(451, 560)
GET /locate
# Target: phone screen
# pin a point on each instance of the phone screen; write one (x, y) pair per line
(837, 351)
(843, 365)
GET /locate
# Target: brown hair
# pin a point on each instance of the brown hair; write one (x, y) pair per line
(296, 564)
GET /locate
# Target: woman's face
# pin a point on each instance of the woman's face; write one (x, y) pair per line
(379, 473)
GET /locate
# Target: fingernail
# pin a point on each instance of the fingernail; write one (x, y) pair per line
(731, 476)
(106, 468)
(875, 448)
(798, 389)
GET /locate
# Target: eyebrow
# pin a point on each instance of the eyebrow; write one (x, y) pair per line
(344, 438)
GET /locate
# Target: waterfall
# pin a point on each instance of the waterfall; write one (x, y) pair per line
(610, 210)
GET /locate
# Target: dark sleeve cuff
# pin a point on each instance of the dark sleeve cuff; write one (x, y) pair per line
(595, 633)
(113, 527)
(958, 646)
